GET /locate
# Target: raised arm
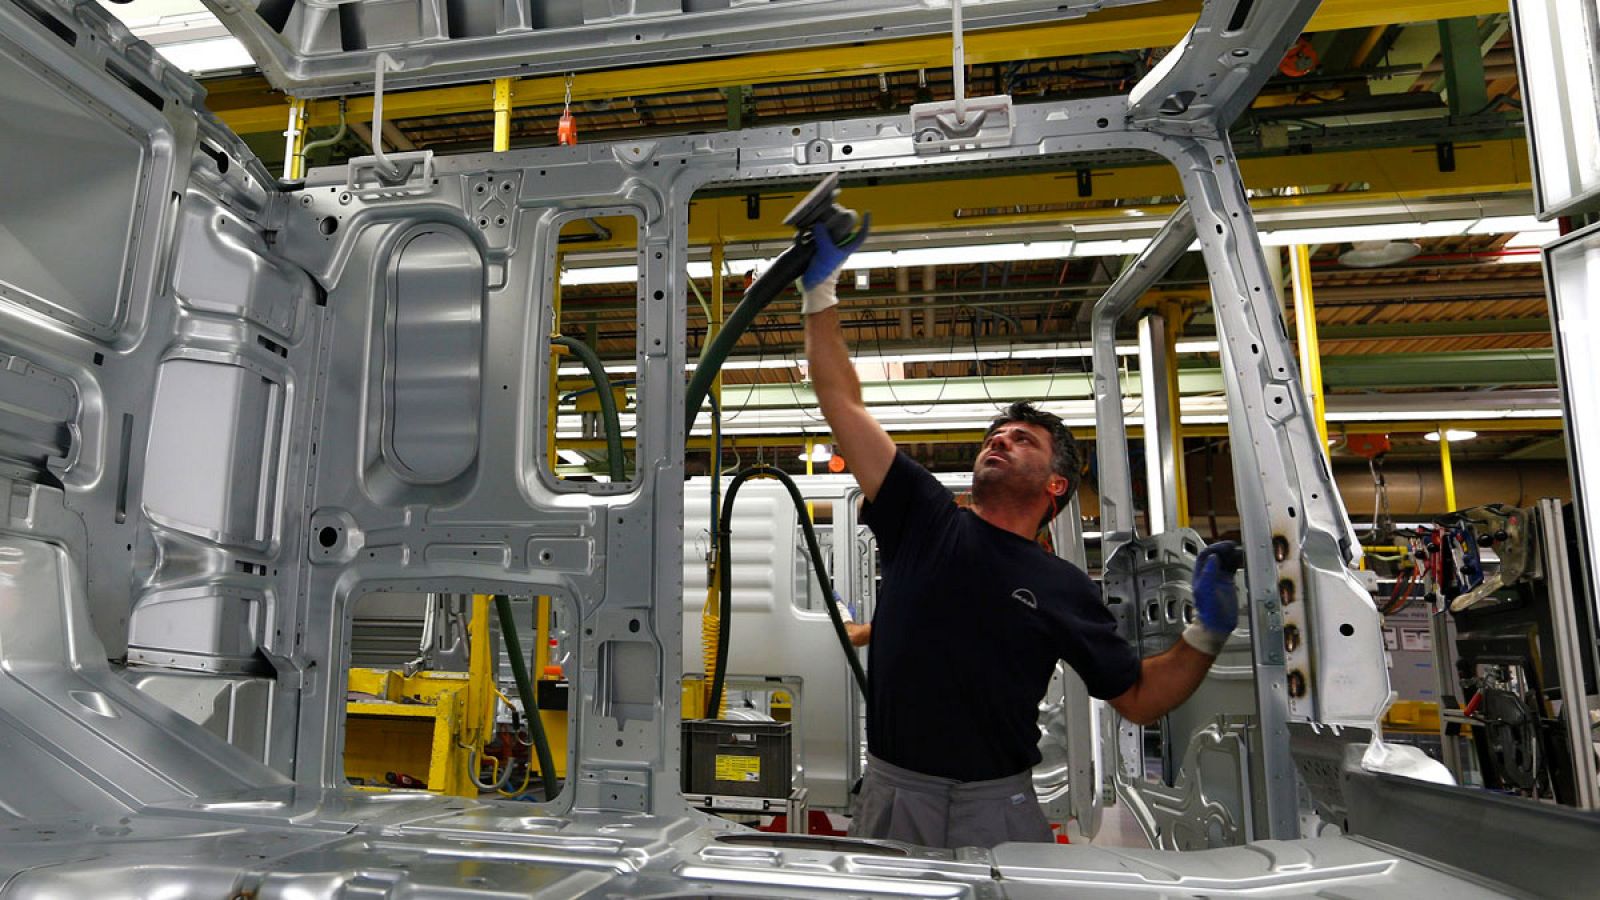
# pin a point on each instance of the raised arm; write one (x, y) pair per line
(864, 444)
(1168, 679)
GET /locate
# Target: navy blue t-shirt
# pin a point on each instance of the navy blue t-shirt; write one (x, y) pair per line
(970, 622)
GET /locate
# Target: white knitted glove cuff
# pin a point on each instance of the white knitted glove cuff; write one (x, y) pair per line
(820, 297)
(1204, 639)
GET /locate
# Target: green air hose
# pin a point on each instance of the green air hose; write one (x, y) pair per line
(530, 704)
(608, 403)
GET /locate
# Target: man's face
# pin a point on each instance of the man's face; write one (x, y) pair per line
(1016, 456)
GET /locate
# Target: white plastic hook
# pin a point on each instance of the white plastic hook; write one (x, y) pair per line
(386, 167)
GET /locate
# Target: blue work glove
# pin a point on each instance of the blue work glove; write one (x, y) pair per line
(1216, 601)
(817, 283)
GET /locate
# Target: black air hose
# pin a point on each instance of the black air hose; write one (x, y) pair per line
(789, 265)
(724, 563)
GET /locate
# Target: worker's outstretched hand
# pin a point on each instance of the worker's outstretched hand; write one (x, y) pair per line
(817, 285)
(1216, 601)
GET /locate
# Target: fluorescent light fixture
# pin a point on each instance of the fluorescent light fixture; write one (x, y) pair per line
(1454, 434)
(1509, 224)
(1530, 239)
(600, 275)
(215, 55)
(962, 255)
(572, 457)
(989, 353)
(863, 279)
(967, 254)
(820, 453)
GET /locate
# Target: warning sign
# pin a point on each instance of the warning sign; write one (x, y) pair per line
(738, 768)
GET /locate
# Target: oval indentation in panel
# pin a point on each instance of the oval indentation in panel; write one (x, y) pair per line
(435, 355)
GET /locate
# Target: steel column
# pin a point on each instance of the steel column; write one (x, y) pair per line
(502, 115)
(1116, 482)
(1467, 92)
(1445, 468)
(1305, 326)
(295, 139)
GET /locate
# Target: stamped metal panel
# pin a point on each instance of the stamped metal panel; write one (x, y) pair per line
(100, 198)
(1193, 779)
(1299, 544)
(1557, 45)
(133, 195)
(87, 739)
(313, 48)
(483, 514)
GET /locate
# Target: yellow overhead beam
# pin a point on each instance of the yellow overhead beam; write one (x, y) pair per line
(1122, 28)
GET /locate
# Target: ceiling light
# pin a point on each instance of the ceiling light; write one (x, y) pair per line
(863, 279)
(1454, 434)
(960, 255)
(1530, 239)
(820, 453)
(215, 55)
(1375, 254)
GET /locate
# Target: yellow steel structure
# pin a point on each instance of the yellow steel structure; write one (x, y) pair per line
(502, 115)
(1305, 326)
(294, 162)
(426, 726)
(1446, 469)
(1126, 28)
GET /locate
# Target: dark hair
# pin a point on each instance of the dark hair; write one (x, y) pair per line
(1064, 459)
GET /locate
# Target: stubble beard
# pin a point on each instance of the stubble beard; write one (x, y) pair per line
(1008, 485)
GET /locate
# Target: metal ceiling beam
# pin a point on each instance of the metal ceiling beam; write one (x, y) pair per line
(1399, 293)
(1126, 28)
(1082, 433)
(1489, 167)
(1375, 331)
(1340, 372)
(1465, 88)
(1191, 430)
(1439, 370)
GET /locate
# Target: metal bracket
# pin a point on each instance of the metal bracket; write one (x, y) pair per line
(980, 122)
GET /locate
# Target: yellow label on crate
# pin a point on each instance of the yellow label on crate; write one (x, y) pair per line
(738, 768)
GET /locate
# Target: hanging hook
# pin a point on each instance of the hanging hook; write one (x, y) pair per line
(386, 167)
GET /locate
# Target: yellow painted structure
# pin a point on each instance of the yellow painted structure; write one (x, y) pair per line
(415, 729)
(428, 725)
(1412, 716)
(248, 108)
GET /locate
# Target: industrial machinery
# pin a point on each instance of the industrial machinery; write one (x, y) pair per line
(232, 405)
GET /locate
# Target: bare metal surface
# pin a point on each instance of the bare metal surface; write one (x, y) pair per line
(331, 455)
(309, 48)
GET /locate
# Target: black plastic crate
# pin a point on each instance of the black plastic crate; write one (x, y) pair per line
(739, 759)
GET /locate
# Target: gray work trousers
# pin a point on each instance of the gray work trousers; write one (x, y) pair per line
(901, 805)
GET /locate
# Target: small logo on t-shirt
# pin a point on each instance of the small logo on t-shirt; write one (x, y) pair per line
(1025, 597)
